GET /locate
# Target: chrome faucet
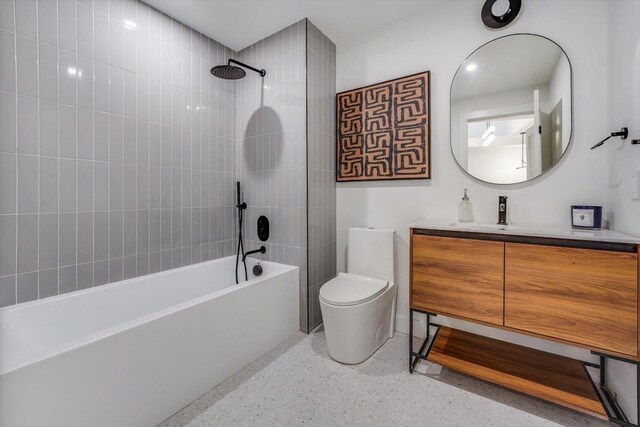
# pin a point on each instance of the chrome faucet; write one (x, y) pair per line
(502, 210)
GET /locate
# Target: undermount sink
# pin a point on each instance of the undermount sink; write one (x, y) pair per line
(487, 227)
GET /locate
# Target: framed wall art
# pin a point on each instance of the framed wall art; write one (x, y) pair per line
(383, 131)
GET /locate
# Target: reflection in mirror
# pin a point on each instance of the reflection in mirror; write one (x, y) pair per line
(511, 109)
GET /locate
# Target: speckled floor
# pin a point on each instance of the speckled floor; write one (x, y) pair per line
(299, 384)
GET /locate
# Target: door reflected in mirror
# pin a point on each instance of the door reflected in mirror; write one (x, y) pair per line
(511, 109)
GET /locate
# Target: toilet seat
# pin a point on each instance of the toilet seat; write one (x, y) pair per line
(351, 289)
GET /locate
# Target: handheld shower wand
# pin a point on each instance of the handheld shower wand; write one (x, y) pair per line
(239, 205)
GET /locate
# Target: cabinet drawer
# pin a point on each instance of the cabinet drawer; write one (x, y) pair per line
(459, 277)
(580, 295)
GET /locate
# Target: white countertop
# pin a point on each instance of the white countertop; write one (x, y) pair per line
(548, 231)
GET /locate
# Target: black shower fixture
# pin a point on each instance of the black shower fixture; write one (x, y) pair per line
(623, 134)
(257, 270)
(233, 72)
(263, 228)
(260, 250)
(498, 21)
(263, 225)
(241, 206)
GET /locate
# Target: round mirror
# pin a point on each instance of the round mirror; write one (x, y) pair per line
(511, 108)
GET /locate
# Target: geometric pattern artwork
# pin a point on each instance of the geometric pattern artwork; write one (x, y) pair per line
(383, 131)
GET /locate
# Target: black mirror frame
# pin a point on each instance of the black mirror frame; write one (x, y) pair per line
(564, 154)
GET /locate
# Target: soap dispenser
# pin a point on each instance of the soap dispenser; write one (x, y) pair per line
(465, 209)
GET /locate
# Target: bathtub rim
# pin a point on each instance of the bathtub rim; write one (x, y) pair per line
(138, 321)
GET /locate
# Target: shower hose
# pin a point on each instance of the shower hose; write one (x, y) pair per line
(240, 247)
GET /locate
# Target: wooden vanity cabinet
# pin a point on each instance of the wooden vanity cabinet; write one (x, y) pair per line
(581, 293)
(584, 296)
(577, 292)
(459, 277)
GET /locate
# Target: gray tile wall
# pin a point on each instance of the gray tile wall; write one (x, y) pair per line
(286, 154)
(117, 147)
(321, 90)
(272, 155)
(119, 151)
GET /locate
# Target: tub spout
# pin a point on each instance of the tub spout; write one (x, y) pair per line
(262, 250)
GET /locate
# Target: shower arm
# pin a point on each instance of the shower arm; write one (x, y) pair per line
(262, 72)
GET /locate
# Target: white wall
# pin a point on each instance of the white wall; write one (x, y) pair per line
(622, 157)
(439, 40)
(624, 110)
(497, 163)
(510, 102)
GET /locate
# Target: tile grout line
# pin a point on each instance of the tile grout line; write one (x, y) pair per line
(108, 215)
(39, 142)
(93, 143)
(171, 120)
(15, 44)
(148, 142)
(58, 132)
(121, 145)
(137, 73)
(77, 222)
(75, 159)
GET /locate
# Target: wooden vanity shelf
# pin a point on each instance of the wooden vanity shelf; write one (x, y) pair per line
(547, 376)
(579, 289)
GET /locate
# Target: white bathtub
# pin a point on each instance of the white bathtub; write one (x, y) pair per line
(134, 352)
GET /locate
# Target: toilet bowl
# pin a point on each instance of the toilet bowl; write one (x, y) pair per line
(358, 307)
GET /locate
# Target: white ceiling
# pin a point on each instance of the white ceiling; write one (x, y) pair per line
(240, 23)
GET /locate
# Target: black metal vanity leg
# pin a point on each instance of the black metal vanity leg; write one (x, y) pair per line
(637, 394)
(426, 337)
(608, 399)
(410, 341)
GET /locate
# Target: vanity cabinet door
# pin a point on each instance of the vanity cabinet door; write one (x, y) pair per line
(580, 295)
(458, 277)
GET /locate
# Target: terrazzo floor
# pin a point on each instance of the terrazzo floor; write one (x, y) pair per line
(298, 384)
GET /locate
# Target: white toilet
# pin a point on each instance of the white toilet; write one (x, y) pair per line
(359, 307)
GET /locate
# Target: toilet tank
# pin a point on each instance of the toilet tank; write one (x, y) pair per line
(370, 253)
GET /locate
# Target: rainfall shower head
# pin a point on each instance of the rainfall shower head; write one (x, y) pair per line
(232, 72)
(228, 72)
